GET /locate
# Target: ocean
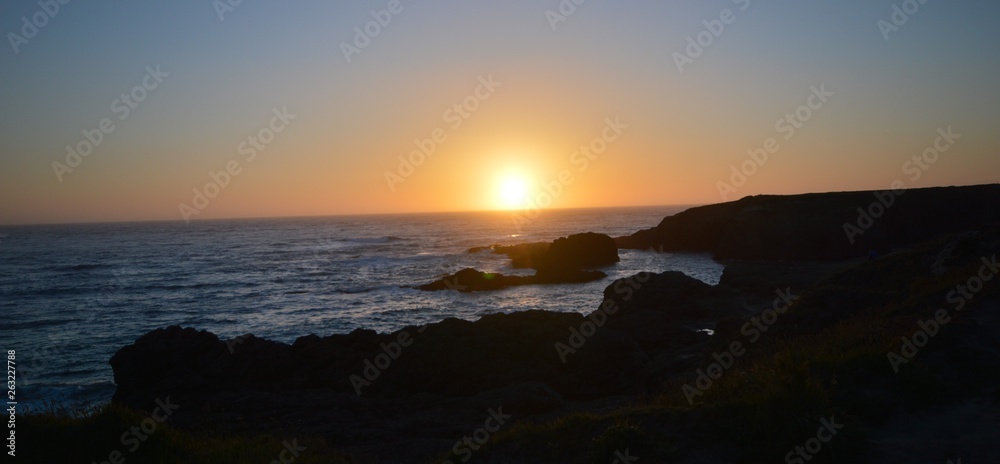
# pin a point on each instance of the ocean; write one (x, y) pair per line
(72, 295)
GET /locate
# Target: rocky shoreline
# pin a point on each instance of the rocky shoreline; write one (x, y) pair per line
(804, 297)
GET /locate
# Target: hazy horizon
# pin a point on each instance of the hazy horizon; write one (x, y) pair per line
(307, 109)
(513, 213)
(358, 215)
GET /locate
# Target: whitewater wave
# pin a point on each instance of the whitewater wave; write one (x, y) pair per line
(383, 239)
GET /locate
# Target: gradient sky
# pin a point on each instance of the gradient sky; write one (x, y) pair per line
(609, 59)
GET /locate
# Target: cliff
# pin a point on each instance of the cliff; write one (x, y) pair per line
(822, 226)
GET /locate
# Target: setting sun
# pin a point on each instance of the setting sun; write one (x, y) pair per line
(513, 192)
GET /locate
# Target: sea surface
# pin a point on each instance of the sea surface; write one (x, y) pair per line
(72, 295)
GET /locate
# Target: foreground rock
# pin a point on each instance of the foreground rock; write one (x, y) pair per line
(471, 280)
(493, 352)
(434, 384)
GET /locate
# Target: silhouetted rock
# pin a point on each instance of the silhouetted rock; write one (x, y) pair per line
(471, 280)
(522, 255)
(533, 361)
(822, 226)
(581, 251)
(578, 251)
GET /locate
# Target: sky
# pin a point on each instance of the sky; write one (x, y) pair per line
(156, 110)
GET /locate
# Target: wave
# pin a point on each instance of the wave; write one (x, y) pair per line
(81, 371)
(185, 287)
(384, 239)
(38, 323)
(83, 267)
(352, 291)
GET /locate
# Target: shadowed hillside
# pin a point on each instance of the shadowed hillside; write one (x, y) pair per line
(822, 226)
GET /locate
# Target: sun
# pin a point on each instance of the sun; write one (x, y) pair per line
(512, 192)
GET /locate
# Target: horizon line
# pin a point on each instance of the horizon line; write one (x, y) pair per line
(319, 216)
(261, 218)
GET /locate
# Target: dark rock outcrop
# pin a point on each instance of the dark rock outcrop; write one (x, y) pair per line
(496, 351)
(561, 262)
(822, 226)
(471, 280)
(578, 251)
(435, 381)
(526, 256)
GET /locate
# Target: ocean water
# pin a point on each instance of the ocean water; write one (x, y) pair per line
(72, 295)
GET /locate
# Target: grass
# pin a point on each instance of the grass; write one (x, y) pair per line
(62, 436)
(585, 438)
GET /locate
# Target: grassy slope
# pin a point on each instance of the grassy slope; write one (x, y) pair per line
(826, 357)
(58, 437)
